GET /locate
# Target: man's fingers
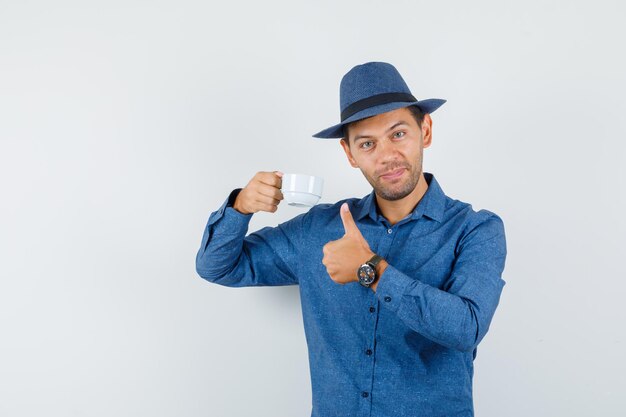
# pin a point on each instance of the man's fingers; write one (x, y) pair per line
(263, 192)
(267, 200)
(270, 178)
(349, 225)
(270, 192)
(265, 206)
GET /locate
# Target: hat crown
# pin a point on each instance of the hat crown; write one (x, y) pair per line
(370, 79)
(370, 89)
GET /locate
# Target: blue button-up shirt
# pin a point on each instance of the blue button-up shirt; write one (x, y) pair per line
(406, 349)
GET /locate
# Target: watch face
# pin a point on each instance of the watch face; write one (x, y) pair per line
(367, 274)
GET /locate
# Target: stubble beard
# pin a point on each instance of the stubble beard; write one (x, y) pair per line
(393, 192)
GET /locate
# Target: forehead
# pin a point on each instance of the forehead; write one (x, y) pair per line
(378, 124)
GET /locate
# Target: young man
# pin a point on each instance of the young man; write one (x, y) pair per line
(397, 288)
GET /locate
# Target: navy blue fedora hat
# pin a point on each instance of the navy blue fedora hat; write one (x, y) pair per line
(370, 89)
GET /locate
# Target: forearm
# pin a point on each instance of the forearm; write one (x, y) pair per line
(222, 247)
(451, 320)
(267, 257)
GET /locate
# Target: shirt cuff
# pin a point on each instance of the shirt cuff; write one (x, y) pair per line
(231, 219)
(392, 285)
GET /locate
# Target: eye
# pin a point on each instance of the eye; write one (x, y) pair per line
(399, 134)
(366, 147)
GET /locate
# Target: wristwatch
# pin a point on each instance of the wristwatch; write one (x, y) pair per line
(367, 272)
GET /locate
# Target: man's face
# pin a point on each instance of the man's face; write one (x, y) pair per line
(386, 143)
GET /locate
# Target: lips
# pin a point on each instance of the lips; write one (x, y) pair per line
(393, 174)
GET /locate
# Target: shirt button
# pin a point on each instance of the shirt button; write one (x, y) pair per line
(368, 352)
(372, 309)
(365, 394)
(387, 299)
(389, 231)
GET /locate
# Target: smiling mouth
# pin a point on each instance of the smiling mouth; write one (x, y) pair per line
(393, 174)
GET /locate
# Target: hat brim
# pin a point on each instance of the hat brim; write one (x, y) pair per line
(336, 131)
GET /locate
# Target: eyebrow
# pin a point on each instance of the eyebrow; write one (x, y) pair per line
(401, 122)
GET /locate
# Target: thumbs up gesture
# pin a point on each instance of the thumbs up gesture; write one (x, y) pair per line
(343, 257)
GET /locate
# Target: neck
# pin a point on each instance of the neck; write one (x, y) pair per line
(394, 211)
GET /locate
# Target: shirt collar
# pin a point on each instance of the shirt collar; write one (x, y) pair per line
(432, 204)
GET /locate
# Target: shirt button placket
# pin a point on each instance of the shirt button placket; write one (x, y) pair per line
(383, 250)
(369, 352)
(385, 242)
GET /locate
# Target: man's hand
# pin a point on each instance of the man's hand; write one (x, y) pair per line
(343, 257)
(261, 194)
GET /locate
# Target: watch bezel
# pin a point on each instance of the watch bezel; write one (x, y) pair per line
(370, 274)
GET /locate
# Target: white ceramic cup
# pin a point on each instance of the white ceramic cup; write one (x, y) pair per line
(302, 190)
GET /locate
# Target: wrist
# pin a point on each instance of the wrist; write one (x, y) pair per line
(380, 268)
(237, 206)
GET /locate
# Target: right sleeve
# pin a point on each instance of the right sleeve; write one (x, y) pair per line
(267, 257)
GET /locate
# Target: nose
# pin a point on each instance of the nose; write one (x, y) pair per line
(387, 150)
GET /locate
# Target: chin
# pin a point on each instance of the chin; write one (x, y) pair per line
(392, 196)
(397, 192)
(392, 193)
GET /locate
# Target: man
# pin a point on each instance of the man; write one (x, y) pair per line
(398, 287)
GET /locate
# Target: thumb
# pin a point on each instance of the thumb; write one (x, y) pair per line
(349, 225)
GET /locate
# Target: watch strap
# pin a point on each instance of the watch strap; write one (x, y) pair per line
(374, 261)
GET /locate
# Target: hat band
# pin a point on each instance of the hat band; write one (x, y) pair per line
(372, 101)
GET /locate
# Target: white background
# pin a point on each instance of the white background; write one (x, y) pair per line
(124, 124)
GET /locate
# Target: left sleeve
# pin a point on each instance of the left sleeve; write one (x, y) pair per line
(458, 316)
(267, 257)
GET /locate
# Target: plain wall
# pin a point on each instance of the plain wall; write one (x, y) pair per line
(124, 124)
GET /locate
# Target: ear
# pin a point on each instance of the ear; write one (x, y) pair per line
(346, 148)
(427, 130)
